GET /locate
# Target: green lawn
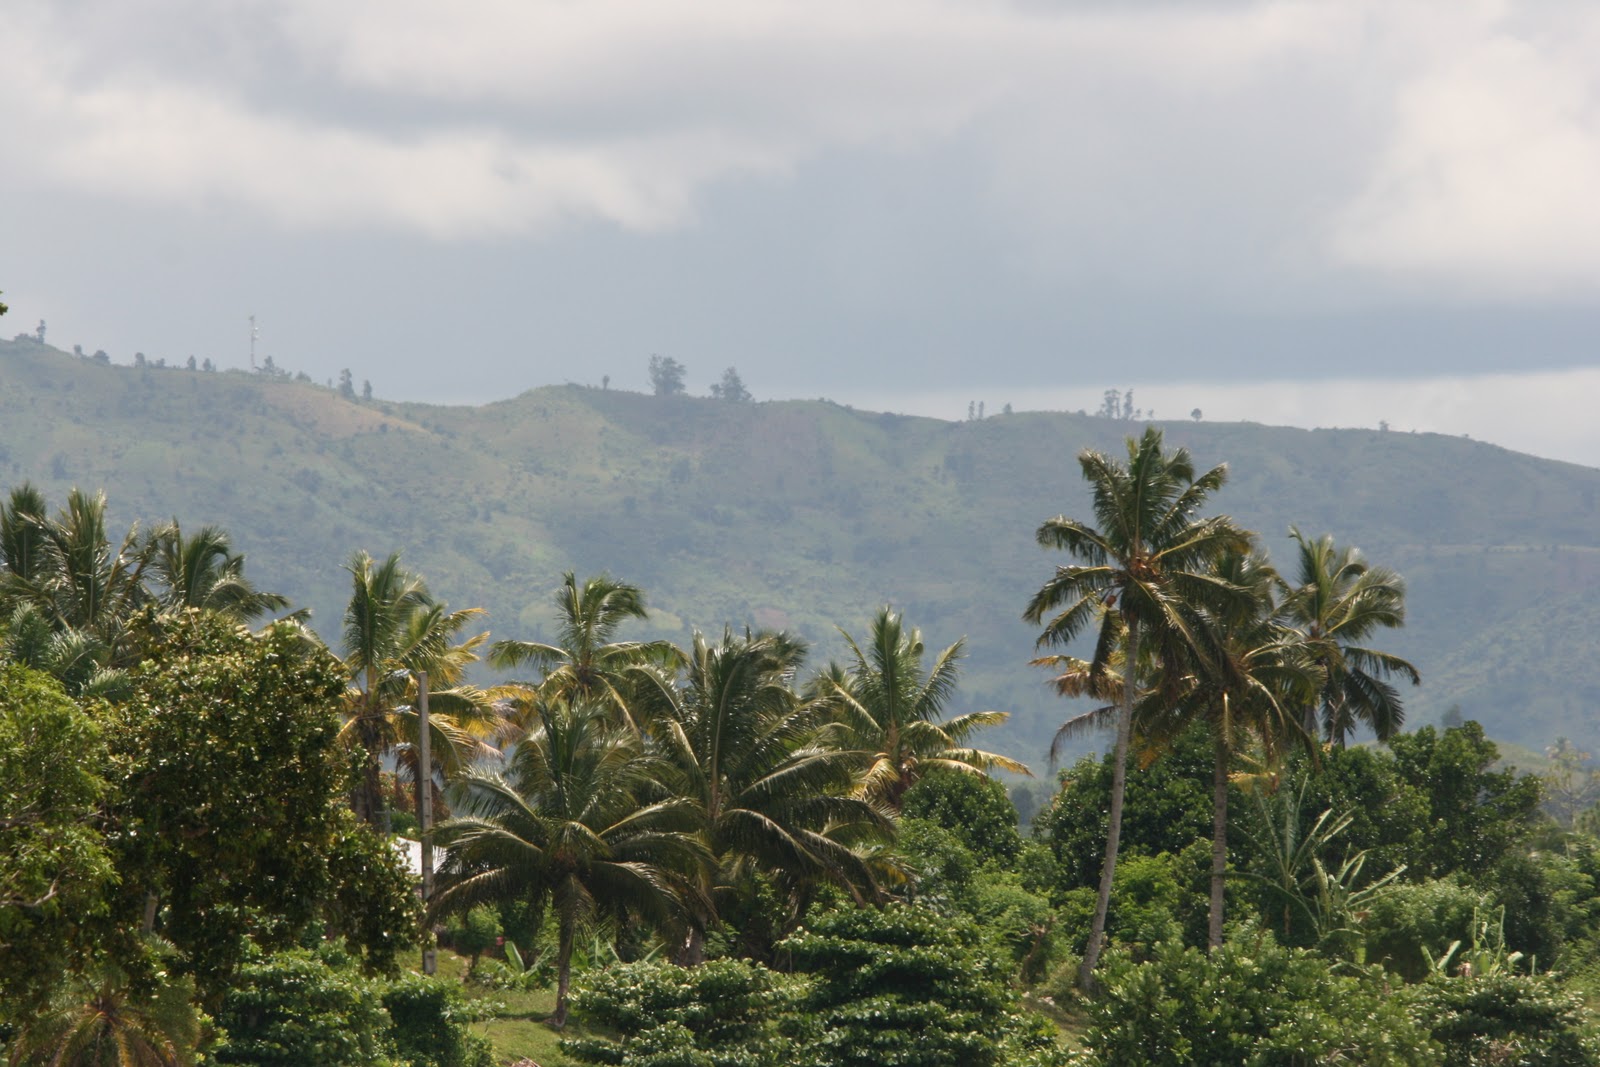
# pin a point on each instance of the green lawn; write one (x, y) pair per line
(518, 1030)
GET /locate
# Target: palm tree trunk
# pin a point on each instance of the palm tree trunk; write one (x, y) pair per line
(563, 972)
(1119, 781)
(1219, 840)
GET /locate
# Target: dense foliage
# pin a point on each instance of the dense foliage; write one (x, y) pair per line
(815, 864)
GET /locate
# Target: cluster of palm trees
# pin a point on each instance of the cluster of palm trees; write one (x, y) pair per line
(1192, 623)
(644, 785)
(628, 783)
(71, 600)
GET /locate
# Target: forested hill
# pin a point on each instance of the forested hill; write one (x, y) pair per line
(807, 514)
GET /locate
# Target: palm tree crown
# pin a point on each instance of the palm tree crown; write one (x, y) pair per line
(891, 711)
(1338, 602)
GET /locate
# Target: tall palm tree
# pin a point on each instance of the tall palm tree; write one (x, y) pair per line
(202, 571)
(1145, 572)
(890, 712)
(578, 821)
(1247, 687)
(765, 770)
(586, 664)
(393, 628)
(1338, 601)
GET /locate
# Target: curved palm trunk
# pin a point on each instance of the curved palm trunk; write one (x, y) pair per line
(1219, 840)
(1119, 781)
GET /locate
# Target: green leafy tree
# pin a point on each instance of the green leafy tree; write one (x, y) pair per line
(575, 823)
(666, 376)
(293, 1008)
(56, 876)
(1337, 602)
(228, 808)
(891, 713)
(731, 388)
(1476, 816)
(1145, 573)
(973, 807)
(1508, 1018)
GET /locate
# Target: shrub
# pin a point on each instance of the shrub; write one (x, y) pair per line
(293, 1009)
(430, 1018)
(903, 986)
(1528, 1020)
(720, 1014)
(1251, 1002)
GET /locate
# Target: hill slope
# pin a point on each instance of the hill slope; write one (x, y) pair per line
(808, 514)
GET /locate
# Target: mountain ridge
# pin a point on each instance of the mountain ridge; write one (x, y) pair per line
(809, 515)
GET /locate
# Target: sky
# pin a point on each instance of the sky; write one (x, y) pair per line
(1313, 213)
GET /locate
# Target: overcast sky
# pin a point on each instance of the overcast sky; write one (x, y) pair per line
(903, 202)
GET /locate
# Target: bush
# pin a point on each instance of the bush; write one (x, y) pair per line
(292, 1009)
(315, 1007)
(430, 1018)
(1527, 1020)
(1413, 919)
(901, 985)
(1252, 1002)
(720, 1014)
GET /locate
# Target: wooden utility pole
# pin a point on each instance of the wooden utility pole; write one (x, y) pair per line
(425, 812)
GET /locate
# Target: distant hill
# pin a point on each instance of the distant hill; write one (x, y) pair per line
(807, 514)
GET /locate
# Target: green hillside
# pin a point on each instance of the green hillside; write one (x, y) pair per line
(808, 514)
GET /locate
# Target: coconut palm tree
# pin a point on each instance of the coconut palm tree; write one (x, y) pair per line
(102, 1019)
(890, 712)
(393, 628)
(1247, 687)
(202, 571)
(765, 770)
(1338, 601)
(579, 821)
(1145, 574)
(66, 567)
(586, 665)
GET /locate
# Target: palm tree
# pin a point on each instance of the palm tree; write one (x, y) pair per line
(577, 821)
(102, 1019)
(393, 628)
(765, 770)
(890, 712)
(203, 571)
(1338, 602)
(66, 567)
(1254, 675)
(1145, 572)
(586, 665)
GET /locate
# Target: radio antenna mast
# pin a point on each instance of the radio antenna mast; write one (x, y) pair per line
(254, 333)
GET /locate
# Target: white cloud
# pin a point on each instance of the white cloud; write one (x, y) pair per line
(1251, 149)
(1487, 182)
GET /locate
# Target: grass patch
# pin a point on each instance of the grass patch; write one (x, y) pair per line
(517, 1030)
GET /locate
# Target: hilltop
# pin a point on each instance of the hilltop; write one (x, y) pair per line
(808, 514)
